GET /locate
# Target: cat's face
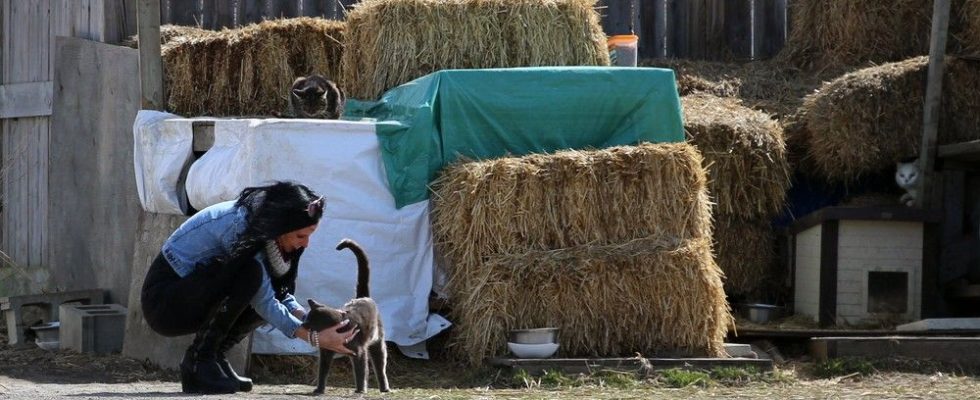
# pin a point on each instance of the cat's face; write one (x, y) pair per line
(322, 316)
(316, 97)
(906, 174)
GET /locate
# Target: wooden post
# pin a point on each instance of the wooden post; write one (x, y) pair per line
(151, 65)
(933, 101)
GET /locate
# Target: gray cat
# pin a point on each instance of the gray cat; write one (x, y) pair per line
(315, 97)
(363, 314)
(907, 177)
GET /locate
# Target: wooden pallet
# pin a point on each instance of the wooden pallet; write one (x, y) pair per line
(588, 365)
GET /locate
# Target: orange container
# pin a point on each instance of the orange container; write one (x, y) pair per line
(622, 50)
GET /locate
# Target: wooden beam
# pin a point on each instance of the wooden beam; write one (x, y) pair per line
(964, 151)
(151, 64)
(933, 101)
(26, 99)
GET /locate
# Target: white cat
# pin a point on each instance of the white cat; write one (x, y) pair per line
(907, 177)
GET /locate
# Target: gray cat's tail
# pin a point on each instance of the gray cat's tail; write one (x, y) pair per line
(363, 268)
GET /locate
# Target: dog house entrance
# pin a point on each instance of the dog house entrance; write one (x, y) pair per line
(888, 292)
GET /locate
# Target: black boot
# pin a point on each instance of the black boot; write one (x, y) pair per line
(246, 323)
(200, 371)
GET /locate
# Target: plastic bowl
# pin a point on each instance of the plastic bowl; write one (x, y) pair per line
(48, 332)
(543, 350)
(534, 336)
(48, 345)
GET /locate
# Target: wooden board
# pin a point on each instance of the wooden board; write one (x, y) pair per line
(588, 365)
(94, 208)
(32, 99)
(965, 151)
(960, 350)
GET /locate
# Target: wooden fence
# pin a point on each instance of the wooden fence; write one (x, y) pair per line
(701, 29)
(27, 58)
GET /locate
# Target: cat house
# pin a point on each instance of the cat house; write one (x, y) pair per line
(859, 265)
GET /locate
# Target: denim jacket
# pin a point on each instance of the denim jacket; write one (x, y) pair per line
(211, 233)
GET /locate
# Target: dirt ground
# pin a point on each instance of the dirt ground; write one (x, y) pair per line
(39, 374)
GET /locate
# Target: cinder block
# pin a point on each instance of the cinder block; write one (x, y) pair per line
(93, 329)
(13, 308)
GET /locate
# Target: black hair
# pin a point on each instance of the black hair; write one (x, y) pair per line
(273, 210)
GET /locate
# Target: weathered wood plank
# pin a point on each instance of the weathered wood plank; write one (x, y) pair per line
(933, 101)
(965, 151)
(740, 28)
(250, 11)
(588, 365)
(185, 12)
(620, 17)
(151, 64)
(26, 99)
(218, 14)
(94, 211)
(119, 22)
(960, 350)
(39, 193)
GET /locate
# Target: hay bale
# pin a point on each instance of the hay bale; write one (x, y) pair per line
(645, 296)
(248, 71)
(168, 33)
(773, 87)
(744, 153)
(971, 23)
(745, 252)
(400, 40)
(833, 32)
(619, 229)
(570, 198)
(865, 121)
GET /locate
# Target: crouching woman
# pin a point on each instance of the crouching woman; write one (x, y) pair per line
(227, 270)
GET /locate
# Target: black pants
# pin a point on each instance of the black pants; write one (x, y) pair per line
(175, 306)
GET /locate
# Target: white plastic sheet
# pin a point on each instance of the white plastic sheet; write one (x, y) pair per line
(162, 148)
(340, 160)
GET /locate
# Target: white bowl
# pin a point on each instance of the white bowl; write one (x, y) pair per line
(543, 350)
(48, 345)
(534, 336)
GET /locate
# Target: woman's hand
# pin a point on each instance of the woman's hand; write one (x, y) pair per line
(331, 339)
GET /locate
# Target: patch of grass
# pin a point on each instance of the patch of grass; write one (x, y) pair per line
(556, 379)
(615, 379)
(522, 378)
(734, 375)
(778, 376)
(679, 378)
(841, 367)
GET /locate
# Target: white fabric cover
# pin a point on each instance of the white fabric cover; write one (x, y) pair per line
(162, 148)
(340, 160)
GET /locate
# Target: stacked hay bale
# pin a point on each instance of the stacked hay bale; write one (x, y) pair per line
(400, 40)
(168, 33)
(832, 32)
(248, 71)
(597, 243)
(863, 122)
(745, 155)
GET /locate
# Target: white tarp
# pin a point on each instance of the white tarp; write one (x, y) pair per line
(340, 160)
(162, 148)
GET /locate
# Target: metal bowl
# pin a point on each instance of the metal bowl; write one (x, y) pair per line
(762, 313)
(534, 336)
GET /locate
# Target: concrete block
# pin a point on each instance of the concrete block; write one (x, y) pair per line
(13, 308)
(941, 324)
(93, 329)
(739, 350)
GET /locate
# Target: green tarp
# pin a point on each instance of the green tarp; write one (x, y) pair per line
(428, 123)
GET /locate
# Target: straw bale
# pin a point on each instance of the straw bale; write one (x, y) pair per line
(774, 87)
(168, 33)
(745, 252)
(570, 198)
(833, 32)
(248, 71)
(400, 40)
(648, 296)
(744, 153)
(971, 24)
(865, 121)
